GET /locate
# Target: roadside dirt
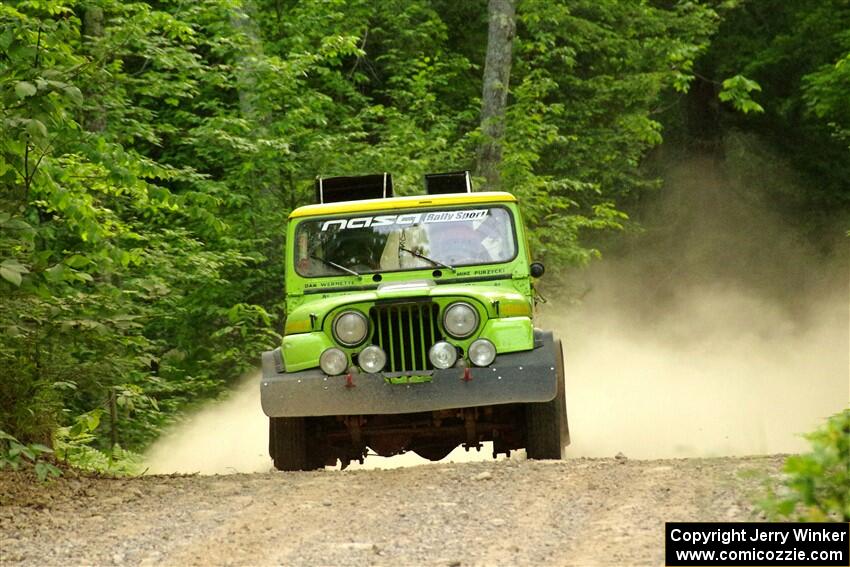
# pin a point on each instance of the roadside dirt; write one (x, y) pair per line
(509, 512)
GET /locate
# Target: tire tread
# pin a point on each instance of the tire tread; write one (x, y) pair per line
(547, 428)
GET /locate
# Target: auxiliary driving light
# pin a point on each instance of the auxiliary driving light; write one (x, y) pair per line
(372, 359)
(460, 320)
(350, 328)
(482, 352)
(442, 355)
(333, 361)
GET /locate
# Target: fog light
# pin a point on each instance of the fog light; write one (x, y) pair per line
(333, 361)
(372, 359)
(482, 352)
(442, 355)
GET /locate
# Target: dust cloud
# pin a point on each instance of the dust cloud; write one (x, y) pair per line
(226, 436)
(722, 373)
(721, 329)
(230, 436)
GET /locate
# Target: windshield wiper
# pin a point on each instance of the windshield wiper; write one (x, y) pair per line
(426, 258)
(335, 265)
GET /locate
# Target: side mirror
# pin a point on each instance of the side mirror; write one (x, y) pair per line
(537, 269)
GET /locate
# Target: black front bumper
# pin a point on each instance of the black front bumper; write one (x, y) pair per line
(520, 377)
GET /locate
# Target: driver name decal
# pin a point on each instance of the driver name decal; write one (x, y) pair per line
(405, 219)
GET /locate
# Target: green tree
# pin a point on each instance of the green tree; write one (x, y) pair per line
(797, 54)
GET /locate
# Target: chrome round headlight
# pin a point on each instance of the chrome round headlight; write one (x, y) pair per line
(372, 359)
(442, 355)
(482, 352)
(460, 320)
(333, 361)
(350, 328)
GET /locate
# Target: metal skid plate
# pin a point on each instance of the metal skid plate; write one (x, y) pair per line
(522, 377)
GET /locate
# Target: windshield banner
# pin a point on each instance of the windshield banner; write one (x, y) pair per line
(407, 219)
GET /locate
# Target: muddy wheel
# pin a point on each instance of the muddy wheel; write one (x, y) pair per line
(288, 445)
(546, 427)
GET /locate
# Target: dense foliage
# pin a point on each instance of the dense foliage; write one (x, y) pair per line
(798, 55)
(814, 488)
(151, 151)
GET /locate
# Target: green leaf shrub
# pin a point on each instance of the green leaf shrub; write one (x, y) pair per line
(14, 455)
(74, 445)
(816, 485)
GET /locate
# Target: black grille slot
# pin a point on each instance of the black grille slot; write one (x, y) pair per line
(406, 331)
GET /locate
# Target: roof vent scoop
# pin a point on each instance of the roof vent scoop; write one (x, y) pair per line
(452, 182)
(337, 189)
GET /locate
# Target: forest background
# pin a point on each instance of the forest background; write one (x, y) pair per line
(150, 153)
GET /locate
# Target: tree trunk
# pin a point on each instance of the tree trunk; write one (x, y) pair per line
(94, 121)
(93, 21)
(113, 419)
(243, 22)
(497, 74)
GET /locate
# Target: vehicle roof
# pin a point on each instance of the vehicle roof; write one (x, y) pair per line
(411, 202)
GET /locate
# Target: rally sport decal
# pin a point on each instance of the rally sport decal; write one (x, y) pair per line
(406, 219)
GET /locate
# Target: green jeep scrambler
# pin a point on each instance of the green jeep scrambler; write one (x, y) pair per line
(410, 328)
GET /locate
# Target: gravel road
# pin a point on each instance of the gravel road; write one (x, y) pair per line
(509, 512)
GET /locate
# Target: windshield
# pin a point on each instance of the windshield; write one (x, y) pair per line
(435, 238)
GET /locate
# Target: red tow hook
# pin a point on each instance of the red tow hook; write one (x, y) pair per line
(467, 374)
(349, 381)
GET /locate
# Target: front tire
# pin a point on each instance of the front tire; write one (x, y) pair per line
(546, 427)
(288, 445)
